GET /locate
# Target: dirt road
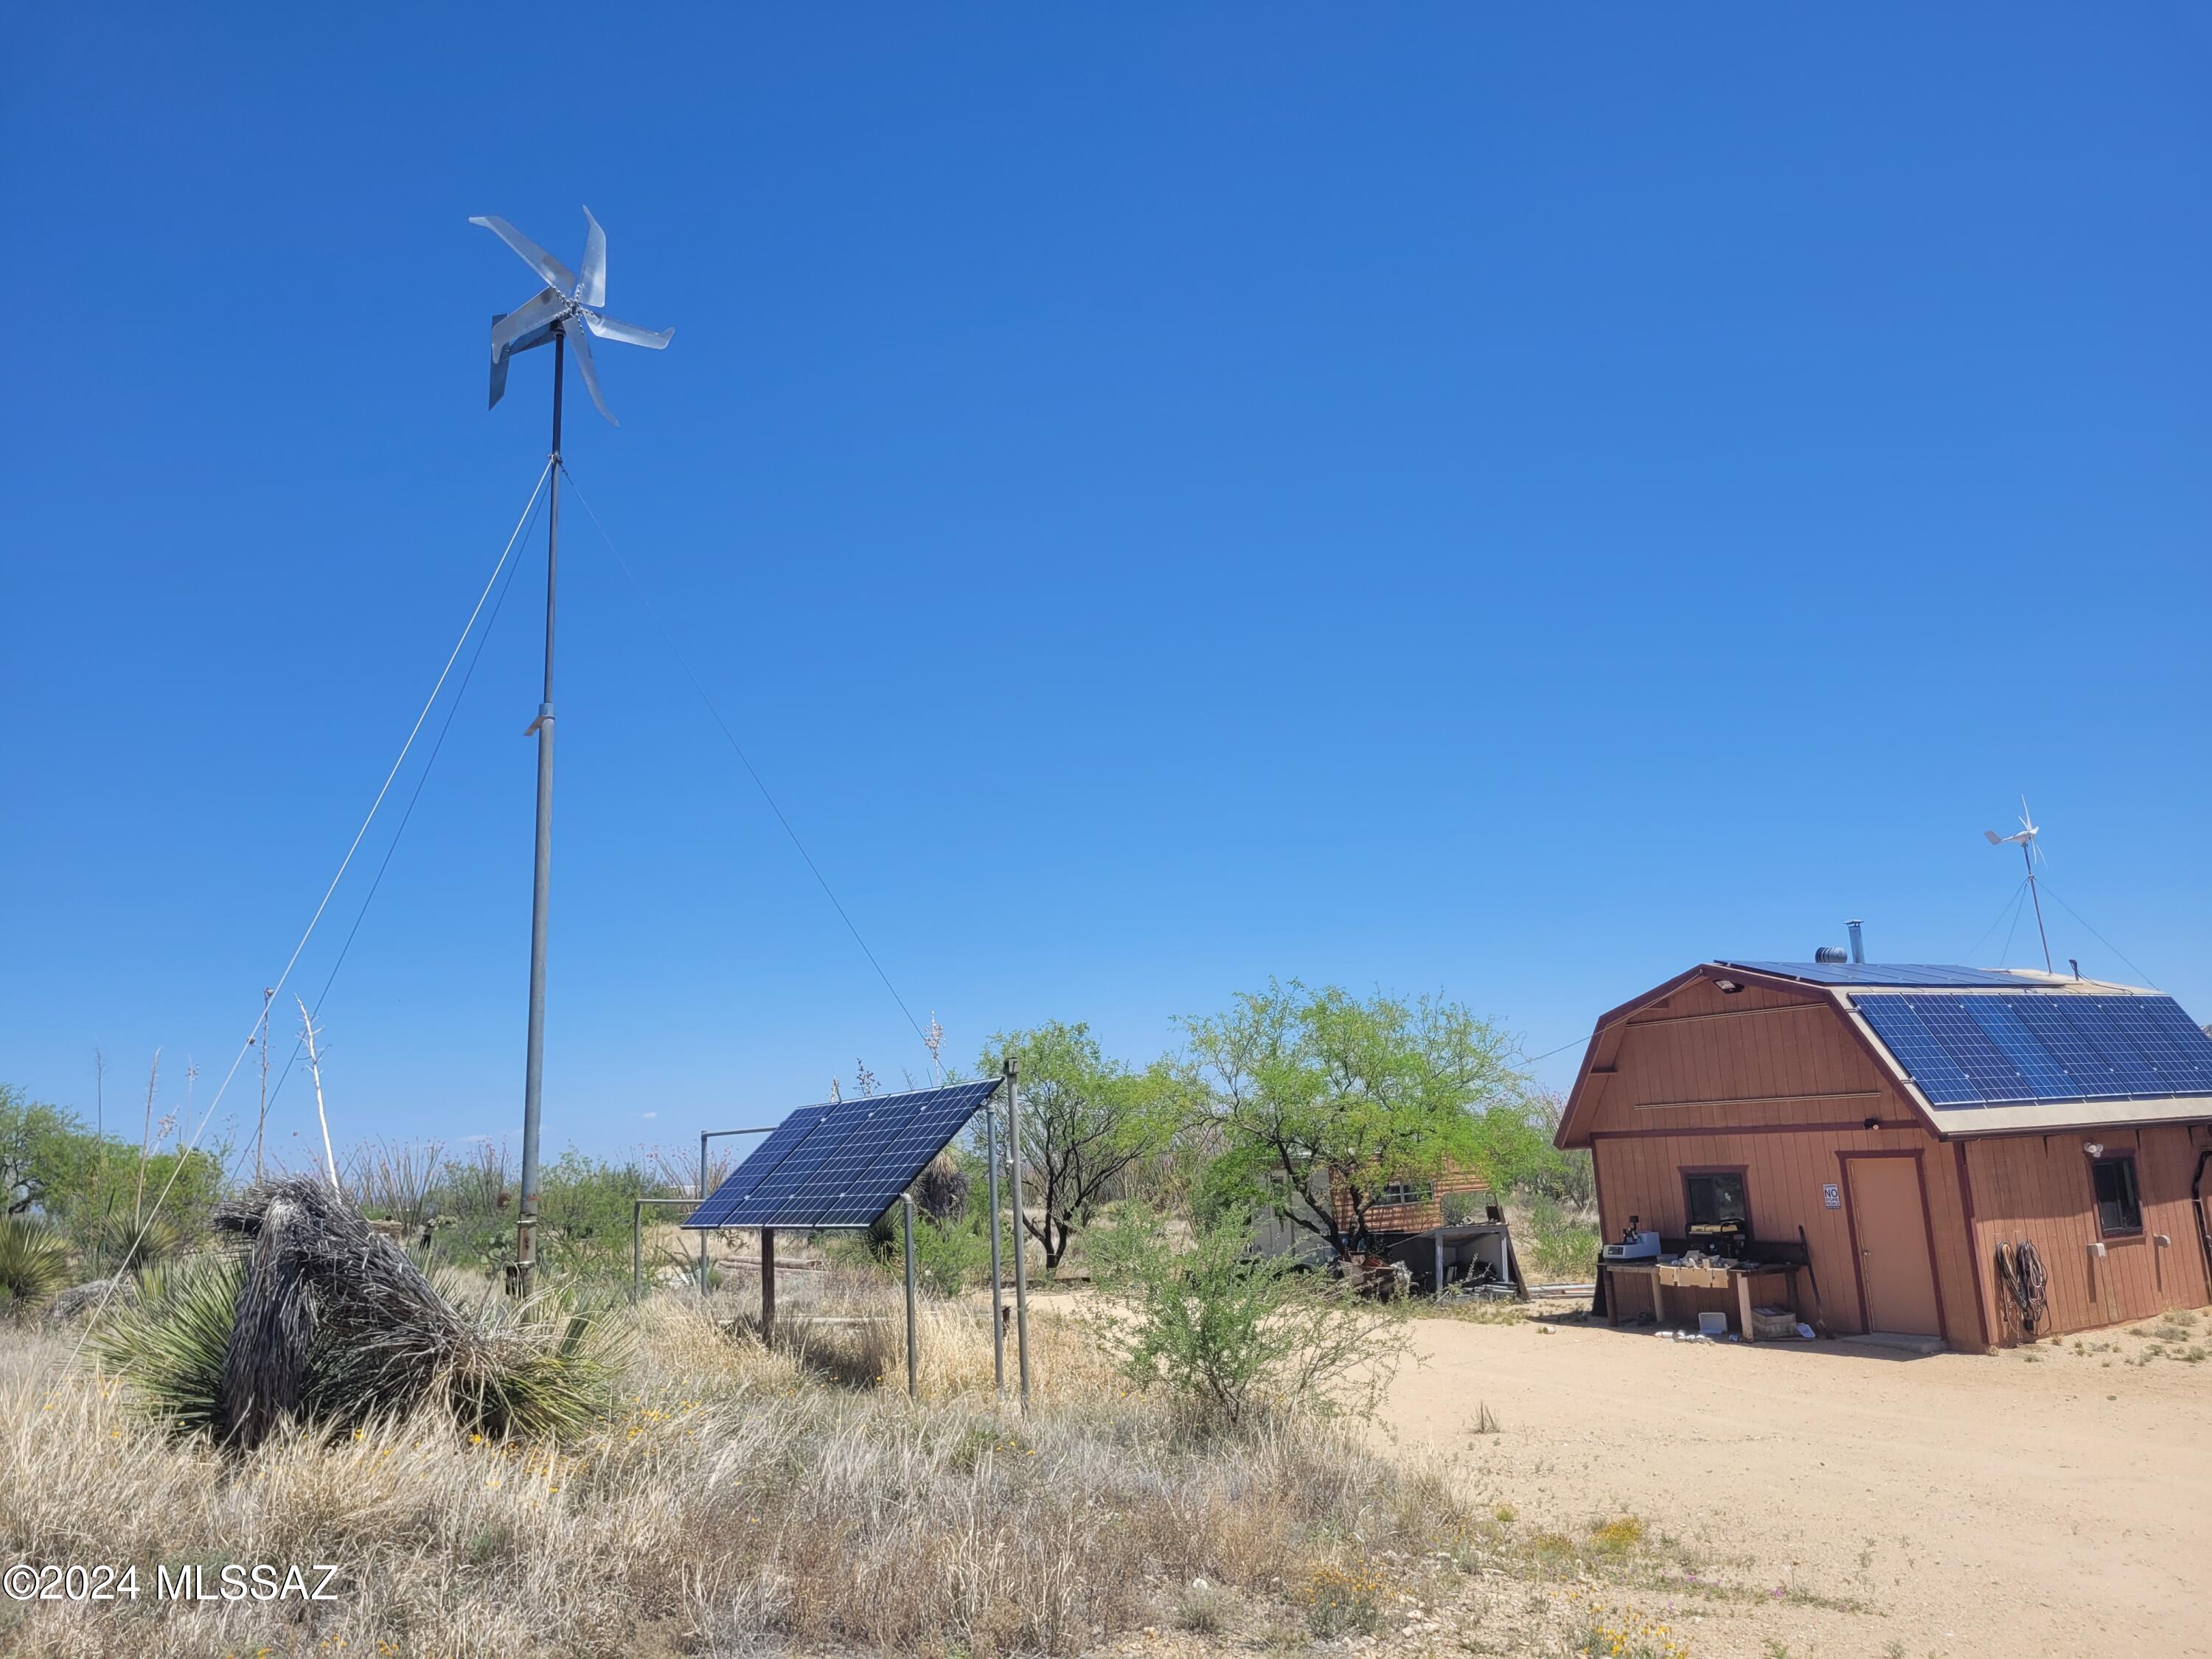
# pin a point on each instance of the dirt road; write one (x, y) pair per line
(1953, 1504)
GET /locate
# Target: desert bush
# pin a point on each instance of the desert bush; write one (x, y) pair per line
(34, 1263)
(1555, 1243)
(396, 1180)
(1231, 1336)
(949, 1259)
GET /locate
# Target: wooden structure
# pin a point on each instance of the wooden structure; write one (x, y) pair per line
(1420, 1210)
(1747, 1288)
(1767, 1090)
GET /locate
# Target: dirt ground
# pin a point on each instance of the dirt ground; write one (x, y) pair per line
(1952, 1504)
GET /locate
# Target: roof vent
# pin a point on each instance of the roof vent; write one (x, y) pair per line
(1858, 948)
(1832, 953)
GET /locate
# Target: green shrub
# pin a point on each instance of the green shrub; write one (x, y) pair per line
(34, 1263)
(949, 1260)
(1554, 1245)
(1231, 1336)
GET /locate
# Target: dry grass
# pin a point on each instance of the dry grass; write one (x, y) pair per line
(746, 1499)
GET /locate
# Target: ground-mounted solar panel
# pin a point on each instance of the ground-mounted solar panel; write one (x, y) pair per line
(759, 1165)
(905, 1152)
(849, 1162)
(843, 1168)
(1904, 974)
(761, 1206)
(1975, 1050)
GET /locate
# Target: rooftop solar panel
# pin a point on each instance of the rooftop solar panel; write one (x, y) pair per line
(1924, 1059)
(1881, 973)
(1977, 1050)
(848, 1162)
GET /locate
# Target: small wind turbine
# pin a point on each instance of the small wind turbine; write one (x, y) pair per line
(2029, 852)
(566, 311)
(571, 309)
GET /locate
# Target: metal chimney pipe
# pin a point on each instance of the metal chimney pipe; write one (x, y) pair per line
(1858, 948)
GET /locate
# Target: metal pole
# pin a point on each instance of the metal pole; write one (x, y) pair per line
(998, 1293)
(533, 1073)
(702, 1198)
(767, 1285)
(1021, 1272)
(2028, 852)
(912, 1352)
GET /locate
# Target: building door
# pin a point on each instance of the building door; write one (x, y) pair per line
(1896, 1279)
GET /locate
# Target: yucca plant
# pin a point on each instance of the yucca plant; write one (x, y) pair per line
(34, 1263)
(171, 1339)
(118, 1242)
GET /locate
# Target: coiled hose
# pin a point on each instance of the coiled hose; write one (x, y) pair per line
(2022, 1285)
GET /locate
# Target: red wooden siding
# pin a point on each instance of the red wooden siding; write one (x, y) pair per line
(1775, 1080)
(1785, 1172)
(2037, 1187)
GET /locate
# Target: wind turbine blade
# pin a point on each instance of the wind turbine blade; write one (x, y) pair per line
(591, 281)
(580, 338)
(613, 328)
(547, 268)
(511, 327)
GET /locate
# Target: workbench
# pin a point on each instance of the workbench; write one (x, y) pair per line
(1742, 1280)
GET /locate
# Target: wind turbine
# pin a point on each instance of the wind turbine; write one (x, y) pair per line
(2029, 852)
(568, 309)
(571, 308)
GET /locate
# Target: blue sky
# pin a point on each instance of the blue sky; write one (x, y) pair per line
(1503, 502)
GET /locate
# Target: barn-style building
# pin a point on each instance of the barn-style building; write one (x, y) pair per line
(1913, 1119)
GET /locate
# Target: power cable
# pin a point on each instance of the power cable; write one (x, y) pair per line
(2005, 955)
(2101, 939)
(683, 663)
(2011, 903)
(460, 695)
(529, 508)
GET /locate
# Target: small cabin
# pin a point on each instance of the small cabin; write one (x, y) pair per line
(1902, 1129)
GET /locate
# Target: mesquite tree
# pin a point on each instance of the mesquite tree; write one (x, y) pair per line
(1320, 1101)
(1085, 1120)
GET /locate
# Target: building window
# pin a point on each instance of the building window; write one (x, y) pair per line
(1716, 1199)
(1404, 1192)
(2119, 1206)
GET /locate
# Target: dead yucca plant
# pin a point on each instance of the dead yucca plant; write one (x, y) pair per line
(34, 1263)
(324, 1319)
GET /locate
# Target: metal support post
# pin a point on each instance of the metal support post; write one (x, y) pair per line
(913, 1351)
(998, 1291)
(706, 1271)
(768, 1284)
(1021, 1255)
(541, 892)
